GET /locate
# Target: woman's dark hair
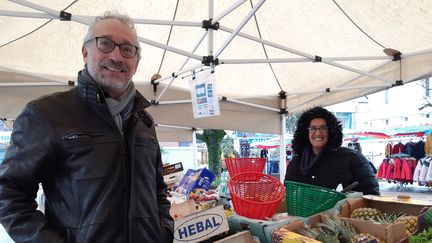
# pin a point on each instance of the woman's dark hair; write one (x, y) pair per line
(301, 135)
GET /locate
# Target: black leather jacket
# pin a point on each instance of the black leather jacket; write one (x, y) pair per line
(100, 185)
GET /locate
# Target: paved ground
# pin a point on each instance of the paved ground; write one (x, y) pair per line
(414, 191)
(387, 189)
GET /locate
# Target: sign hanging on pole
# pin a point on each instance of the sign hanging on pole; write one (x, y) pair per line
(205, 102)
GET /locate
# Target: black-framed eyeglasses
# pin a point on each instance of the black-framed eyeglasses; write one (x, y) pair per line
(323, 129)
(106, 45)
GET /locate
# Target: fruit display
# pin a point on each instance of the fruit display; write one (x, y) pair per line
(366, 238)
(366, 213)
(331, 229)
(204, 198)
(286, 236)
(410, 221)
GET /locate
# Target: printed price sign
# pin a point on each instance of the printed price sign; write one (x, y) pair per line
(205, 101)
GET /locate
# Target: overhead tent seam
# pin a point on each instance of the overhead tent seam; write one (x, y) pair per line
(356, 25)
(265, 50)
(191, 55)
(20, 37)
(381, 78)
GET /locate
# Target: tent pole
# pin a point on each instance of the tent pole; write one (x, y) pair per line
(182, 66)
(195, 151)
(415, 53)
(228, 10)
(210, 30)
(282, 149)
(290, 50)
(352, 80)
(26, 15)
(251, 104)
(239, 27)
(300, 59)
(59, 82)
(28, 84)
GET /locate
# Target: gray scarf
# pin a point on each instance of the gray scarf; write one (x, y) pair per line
(121, 109)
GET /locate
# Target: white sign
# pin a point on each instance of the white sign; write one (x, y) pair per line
(205, 101)
(201, 225)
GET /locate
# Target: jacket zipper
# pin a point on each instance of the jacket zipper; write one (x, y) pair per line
(127, 147)
(124, 168)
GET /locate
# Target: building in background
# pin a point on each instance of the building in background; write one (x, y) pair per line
(390, 112)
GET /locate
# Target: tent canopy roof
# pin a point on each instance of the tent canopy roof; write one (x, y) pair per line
(318, 52)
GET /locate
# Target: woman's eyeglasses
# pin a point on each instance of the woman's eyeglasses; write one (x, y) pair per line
(323, 129)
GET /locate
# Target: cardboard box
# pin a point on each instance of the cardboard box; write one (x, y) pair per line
(259, 228)
(393, 233)
(388, 232)
(180, 210)
(381, 203)
(194, 179)
(200, 225)
(173, 178)
(173, 168)
(172, 174)
(283, 235)
(239, 237)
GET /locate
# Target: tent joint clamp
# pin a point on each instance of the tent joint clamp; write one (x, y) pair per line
(397, 83)
(65, 16)
(207, 24)
(208, 60)
(397, 57)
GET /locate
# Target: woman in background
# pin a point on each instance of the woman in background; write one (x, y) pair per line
(319, 159)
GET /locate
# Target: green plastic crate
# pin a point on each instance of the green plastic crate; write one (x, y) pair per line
(305, 200)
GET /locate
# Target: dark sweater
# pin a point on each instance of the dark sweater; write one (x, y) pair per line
(342, 165)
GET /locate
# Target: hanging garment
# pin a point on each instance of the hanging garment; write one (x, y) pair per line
(409, 148)
(382, 169)
(398, 148)
(428, 177)
(388, 149)
(406, 171)
(390, 170)
(416, 175)
(428, 144)
(419, 150)
(424, 170)
(397, 167)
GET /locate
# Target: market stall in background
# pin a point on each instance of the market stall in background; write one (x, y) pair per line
(250, 206)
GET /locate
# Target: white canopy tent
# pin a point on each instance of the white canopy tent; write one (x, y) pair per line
(314, 52)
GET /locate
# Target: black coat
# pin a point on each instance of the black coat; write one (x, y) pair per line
(100, 185)
(341, 166)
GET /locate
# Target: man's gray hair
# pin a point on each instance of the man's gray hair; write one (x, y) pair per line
(125, 19)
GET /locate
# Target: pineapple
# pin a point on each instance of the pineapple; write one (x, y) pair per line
(366, 213)
(366, 237)
(333, 229)
(411, 223)
(389, 218)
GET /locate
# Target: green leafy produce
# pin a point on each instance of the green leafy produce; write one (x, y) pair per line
(423, 237)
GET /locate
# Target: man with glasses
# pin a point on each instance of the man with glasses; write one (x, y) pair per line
(319, 159)
(93, 149)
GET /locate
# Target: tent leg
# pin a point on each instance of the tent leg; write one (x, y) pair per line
(282, 149)
(195, 150)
